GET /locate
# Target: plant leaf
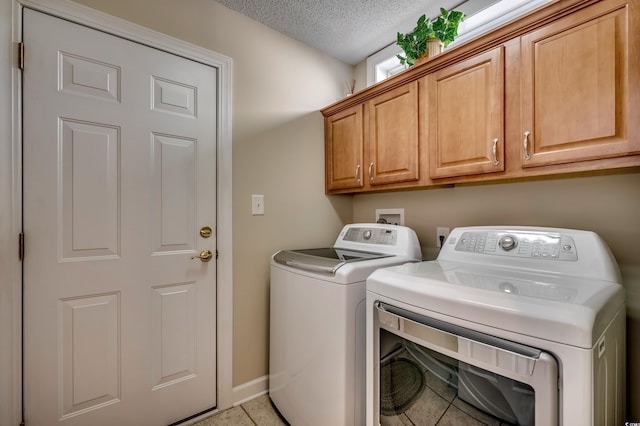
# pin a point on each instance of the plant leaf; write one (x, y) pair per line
(444, 28)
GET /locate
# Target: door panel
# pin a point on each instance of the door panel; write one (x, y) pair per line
(174, 198)
(344, 145)
(90, 333)
(119, 176)
(174, 333)
(466, 117)
(393, 136)
(89, 190)
(575, 96)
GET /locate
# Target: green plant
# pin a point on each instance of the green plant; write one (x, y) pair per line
(443, 28)
(446, 25)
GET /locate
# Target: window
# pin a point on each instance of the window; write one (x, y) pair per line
(384, 63)
(494, 16)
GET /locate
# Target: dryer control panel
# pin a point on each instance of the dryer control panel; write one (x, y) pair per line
(541, 245)
(557, 251)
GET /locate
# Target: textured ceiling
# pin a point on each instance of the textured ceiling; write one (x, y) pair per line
(349, 30)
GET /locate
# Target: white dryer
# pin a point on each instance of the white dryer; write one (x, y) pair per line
(523, 324)
(317, 328)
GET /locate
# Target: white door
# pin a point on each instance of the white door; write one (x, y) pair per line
(119, 178)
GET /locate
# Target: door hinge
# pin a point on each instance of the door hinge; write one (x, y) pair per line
(22, 423)
(216, 253)
(21, 56)
(21, 246)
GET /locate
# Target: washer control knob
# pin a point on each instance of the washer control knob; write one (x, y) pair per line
(507, 243)
(367, 234)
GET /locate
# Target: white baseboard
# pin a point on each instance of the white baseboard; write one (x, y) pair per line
(250, 390)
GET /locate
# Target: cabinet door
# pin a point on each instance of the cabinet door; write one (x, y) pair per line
(575, 88)
(344, 147)
(393, 143)
(466, 116)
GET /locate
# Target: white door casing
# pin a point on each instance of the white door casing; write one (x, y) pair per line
(119, 321)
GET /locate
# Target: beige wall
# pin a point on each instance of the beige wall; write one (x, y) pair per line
(278, 87)
(360, 75)
(607, 205)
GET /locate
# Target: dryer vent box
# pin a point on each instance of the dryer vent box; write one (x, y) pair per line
(392, 216)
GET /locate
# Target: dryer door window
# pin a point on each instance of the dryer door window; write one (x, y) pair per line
(438, 369)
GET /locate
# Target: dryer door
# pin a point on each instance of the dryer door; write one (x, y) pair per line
(477, 374)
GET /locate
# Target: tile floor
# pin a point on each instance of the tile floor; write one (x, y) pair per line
(257, 412)
(438, 406)
(449, 411)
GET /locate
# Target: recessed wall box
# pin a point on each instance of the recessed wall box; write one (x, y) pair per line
(392, 216)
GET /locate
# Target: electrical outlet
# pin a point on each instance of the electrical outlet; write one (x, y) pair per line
(257, 205)
(441, 235)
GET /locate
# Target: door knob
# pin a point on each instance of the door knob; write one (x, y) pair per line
(205, 256)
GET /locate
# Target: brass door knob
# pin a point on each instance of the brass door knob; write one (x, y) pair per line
(205, 256)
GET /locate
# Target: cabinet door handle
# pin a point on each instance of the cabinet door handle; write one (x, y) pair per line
(526, 145)
(495, 152)
(371, 172)
(358, 174)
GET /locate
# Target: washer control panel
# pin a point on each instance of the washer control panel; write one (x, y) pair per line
(543, 245)
(377, 236)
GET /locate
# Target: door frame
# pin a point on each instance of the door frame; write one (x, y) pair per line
(11, 188)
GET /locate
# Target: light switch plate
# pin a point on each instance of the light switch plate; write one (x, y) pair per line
(257, 205)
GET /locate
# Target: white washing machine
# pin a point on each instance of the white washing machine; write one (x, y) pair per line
(317, 329)
(520, 325)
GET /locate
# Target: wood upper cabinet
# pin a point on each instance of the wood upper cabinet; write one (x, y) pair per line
(562, 83)
(576, 97)
(344, 148)
(466, 116)
(392, 137)
(374, 143)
